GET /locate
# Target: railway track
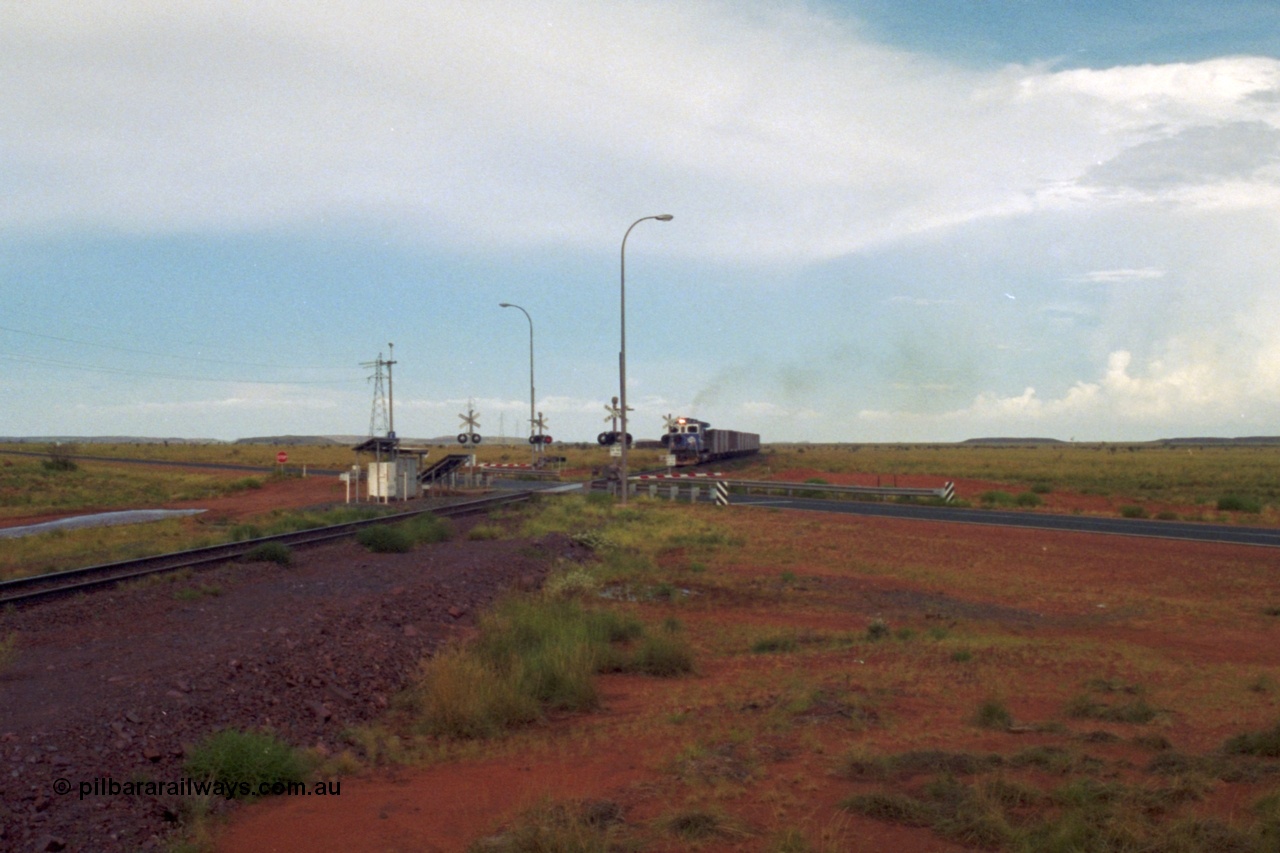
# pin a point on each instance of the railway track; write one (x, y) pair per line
(41, 588)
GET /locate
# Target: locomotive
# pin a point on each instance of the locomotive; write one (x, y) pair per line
(693, 441)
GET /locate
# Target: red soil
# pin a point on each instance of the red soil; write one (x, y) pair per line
(1170, 615)
(284, 493)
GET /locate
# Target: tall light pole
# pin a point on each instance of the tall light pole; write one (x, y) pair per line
(531, 394)
(622, 355)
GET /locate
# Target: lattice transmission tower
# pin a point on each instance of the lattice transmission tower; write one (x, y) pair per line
(382, 417)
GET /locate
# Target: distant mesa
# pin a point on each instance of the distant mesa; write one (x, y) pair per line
(104, 439)
(1012, 440)
(1160, 442)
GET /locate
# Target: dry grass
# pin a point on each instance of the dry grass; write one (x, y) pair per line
(1197, 475)
(802, 699)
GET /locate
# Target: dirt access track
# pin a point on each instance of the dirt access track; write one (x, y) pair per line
(822, 641)
(275, 494)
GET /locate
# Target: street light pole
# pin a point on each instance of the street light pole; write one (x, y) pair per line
(531, 394)
(622, 354)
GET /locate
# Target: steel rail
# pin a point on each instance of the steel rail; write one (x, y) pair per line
(36, 588)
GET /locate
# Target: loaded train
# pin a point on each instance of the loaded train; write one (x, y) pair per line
(692, 441)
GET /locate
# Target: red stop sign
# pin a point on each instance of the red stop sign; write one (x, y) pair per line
(282, 457)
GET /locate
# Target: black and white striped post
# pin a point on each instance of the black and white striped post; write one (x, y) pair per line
(722, 493)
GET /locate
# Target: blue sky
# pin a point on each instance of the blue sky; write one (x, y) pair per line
(894, 221)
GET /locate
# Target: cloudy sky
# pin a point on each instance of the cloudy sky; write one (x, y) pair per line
(894, 220)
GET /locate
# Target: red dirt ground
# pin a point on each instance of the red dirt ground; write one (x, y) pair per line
(1054, 501)
(1181, 619)
(1045, 612)
(285, 493)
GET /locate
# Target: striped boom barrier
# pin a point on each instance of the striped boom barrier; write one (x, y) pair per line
(673, 476)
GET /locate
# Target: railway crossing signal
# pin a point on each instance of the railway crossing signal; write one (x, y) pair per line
(614, 412)
(540, 427)
(471, 420)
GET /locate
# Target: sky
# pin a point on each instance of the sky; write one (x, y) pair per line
(893, 220)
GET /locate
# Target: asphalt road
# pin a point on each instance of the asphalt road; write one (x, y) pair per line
(1191, 531)
(1197, 532)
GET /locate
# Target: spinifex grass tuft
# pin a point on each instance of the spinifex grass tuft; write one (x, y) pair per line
(666, 655)
(589, 827)
(385, 539)
(245, 760)
(1265, 743)
(993, 714)
(426, 529)
(462, 696)
(533, 653)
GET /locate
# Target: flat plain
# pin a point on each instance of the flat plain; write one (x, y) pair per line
(866, 684)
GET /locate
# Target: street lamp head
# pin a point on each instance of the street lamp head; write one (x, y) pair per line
(665, 217)
(504, 304)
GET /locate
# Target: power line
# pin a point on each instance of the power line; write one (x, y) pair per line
(155, 354)
(48, 362)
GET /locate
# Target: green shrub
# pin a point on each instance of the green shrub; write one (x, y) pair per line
(1265, 743)
(665, 655)
(60, 458)
(270, 552)
(243, 532)
(774, 643)
(1029, 499)
(384, 539)
(1133, 511)
(426, 528)
(243, 761)
(878, 630)
(992, 714)
(995, 497)
(1239, 503)
(1136, 711)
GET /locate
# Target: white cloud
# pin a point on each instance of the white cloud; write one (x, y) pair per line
(1162, 392)
(1120, 276)
(499, 122)
(779, 137)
